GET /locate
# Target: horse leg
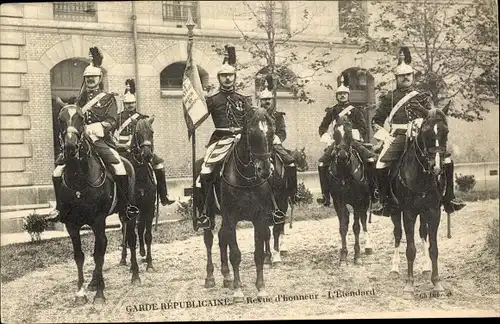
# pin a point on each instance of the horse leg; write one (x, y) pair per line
(74, 233)
(227, 281)
(366, 235)
(398, 234)
(409, 226)
(426, 269)
(123, 260)
(343, 215)
(101, 242)
(356, 228)
(140, 232)
(149, 239)
(208, 238)
(267, 249)
(261, 234)
(229, 234)
(276, 254)
(132, 243)
(283, 248)
(434, 220)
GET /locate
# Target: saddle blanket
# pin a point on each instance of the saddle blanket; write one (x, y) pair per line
(216, 153)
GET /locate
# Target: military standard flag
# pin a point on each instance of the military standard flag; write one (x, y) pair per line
(193, 100)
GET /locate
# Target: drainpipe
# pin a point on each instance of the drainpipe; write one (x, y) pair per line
(136, 64)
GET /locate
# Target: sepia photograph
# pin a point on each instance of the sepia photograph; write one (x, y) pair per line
(168, 161)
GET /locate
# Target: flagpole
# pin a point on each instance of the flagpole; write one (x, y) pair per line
(190, 26)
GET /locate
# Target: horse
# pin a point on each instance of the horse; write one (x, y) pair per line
(349, 185)
(140, 155)
(244, 192)
(300, 159)
(417, 186)
(88, 196)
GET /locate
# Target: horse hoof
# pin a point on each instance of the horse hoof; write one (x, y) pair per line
(267, 260)
(368, 251)
(99, 300)
(358, 261)
(438, 288)
(136, 281)
(150, 269)
(426, 274)
(81, 300)
(277, 263)
(122, 263)
(227, 284)
(283, 253)
(394, 275)
(210, 283)
(261, 294)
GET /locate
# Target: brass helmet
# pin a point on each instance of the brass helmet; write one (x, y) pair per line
(404, 60)
(343, 83)
(129, 96)
(228, 66)
(267, 93)
(94, 69)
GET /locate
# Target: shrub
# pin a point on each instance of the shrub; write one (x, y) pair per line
(185, 209)
(304, 196)
(35, 224)
(466, 182)
(493, 239)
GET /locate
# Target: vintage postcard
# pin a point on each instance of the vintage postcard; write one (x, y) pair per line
(249, 160)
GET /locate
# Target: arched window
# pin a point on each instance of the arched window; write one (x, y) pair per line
(285, 78)
(171, 76)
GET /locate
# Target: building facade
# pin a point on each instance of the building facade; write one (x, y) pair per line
(44, 50)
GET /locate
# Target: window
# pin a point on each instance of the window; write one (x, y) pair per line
(171, 77)
(276, 11)
(352, 17)
(285, 79)
(75, 11)
(177, 11)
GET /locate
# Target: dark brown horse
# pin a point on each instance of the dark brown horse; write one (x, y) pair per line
(244, 193)
(88, 195)
(417, 183)
(349, 186)
(141, 155)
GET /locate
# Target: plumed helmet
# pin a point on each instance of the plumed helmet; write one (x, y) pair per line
(129, 96)
(404, 60)
(94, 69)
(267, 93)
(229, 62)
(343, 83)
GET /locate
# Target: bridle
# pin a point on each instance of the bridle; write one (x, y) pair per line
(425, 151)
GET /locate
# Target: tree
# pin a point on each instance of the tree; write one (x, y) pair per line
(277, 52)
(454, 47)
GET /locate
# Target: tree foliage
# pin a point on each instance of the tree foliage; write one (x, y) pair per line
(277, 52)
(454, 46)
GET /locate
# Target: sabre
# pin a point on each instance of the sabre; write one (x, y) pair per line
(157, 211)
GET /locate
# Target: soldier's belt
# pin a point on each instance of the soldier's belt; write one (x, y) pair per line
(228, 129)
(395, 127)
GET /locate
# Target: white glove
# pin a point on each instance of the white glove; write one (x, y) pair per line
(356, 135)
(326, 138)
(276, 140)
(94, 130)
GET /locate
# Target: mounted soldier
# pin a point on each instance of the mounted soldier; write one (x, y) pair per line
(127, 120)
(228, 109)
(268, 101)
(356, 117)
(100, 113)
(401, 107)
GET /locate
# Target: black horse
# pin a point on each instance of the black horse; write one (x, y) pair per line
(300, 159)
(417, 185)
(140, 155)
(349, 185)
(88, 195)
(244, 191)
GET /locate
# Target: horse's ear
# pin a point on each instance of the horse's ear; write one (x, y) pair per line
(151, 119)
(446, 108)
(59, 102)
(303, 149)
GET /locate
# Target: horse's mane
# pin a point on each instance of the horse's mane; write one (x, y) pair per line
(259, 114)
(144, 127)
(437, 114)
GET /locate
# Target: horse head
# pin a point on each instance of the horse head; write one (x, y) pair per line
(343, 138)
(142, 140)
(300, 159)
(72, 124)
(259, 133)
(431, 141)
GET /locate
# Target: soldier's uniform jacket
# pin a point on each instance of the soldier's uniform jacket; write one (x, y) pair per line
(127, 132)
(355, 116)
(279, 125)
(104, 110)
(409, 111)
(228, 110)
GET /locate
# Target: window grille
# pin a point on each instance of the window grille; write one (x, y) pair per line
(178, 11)
(352, 16)
(279, 13)
(75, 11)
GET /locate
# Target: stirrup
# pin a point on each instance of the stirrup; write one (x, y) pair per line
(54, 216)
(132, 212)
(381, 210)
(203, 222)
(454, 205)
(278, 216)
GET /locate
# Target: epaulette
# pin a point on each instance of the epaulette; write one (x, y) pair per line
(212, 94)
(327, 109)
(243, 94)
(281, 113)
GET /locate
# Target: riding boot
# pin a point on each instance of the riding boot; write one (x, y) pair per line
(123, 197)
(203, 221)
(323, 180)
(291, 180)
(372, 182)
(384, 208)
(55, 215)
(162, 187)
(450, 202)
